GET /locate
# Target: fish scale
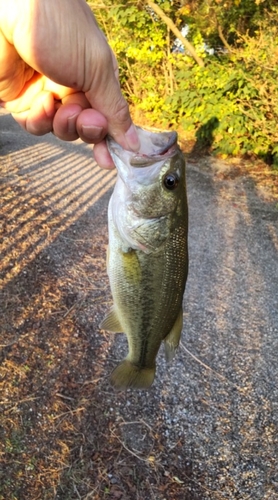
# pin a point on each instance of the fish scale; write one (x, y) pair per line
(147, 260)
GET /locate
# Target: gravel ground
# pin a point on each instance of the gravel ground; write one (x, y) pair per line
(207, 429)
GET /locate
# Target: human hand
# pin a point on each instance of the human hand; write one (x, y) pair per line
(57, 73)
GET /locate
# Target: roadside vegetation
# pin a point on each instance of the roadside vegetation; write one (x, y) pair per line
(64, 434)
(218, 85)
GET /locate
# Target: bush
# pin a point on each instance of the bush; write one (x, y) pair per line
(231, 104)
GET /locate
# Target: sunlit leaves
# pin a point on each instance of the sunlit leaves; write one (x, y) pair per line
(231, 103)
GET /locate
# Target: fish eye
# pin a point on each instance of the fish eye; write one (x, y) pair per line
(171, 181)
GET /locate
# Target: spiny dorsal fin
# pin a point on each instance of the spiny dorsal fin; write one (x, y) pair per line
(111, 322)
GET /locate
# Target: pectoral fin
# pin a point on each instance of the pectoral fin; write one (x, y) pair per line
(171, 342)
(107, 256)
(111, 322)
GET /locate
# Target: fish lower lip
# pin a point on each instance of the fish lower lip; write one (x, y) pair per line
(143, 160)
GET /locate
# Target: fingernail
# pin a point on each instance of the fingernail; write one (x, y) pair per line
(132, 139)
(71, 123)
(92, 133)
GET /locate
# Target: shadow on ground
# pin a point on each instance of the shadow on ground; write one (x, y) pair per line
(207, 429)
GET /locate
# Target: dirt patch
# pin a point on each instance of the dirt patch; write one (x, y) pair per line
(62, 436)
(64, 433)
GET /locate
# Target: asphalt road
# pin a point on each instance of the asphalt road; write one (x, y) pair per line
(220, 396)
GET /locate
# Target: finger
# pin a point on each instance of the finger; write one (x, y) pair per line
(102, 156)
(14, 71)
(106, 97)
(64, 123)
(75, 98)
(35, 87)
(92, 126)
(29, 92)
(71, 121)
(38, 120)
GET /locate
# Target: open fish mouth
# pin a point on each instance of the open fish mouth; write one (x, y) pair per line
(154, 148)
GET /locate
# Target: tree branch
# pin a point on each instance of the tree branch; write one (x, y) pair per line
(176, 32)
(222, 38)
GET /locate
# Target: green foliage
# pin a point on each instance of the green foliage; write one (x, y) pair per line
(231, 104)
(141, 44)
(233, 17)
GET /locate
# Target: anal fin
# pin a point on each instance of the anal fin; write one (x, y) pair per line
(111, 322)
(171, 342)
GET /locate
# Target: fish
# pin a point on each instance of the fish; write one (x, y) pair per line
(147, 256)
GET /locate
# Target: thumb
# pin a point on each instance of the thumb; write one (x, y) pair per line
(105, 96)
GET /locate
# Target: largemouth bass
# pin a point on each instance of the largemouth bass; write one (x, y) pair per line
(147, 258)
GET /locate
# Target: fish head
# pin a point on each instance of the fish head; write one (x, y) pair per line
(149, 197)
(152, 181)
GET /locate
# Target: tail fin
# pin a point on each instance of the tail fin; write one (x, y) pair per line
(129, 375)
